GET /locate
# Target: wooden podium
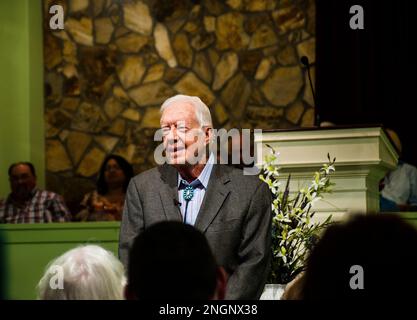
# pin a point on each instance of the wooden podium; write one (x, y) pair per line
(363, 156)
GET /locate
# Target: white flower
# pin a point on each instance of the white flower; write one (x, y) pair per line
(292, 225)
(315, 200)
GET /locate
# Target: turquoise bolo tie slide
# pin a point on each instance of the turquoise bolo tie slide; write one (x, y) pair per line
(188, 193)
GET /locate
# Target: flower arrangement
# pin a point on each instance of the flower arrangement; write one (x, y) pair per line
(293, 231)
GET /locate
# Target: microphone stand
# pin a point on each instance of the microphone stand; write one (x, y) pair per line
(305, 61)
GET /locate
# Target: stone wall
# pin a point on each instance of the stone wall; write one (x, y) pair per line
(108, 71)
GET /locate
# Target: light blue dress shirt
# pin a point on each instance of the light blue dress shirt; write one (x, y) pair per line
(199, 192)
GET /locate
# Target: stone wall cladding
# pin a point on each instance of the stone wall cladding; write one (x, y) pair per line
(116, 61)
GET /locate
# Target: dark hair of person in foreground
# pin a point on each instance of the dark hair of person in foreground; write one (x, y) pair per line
(383, 245)
(173, 261)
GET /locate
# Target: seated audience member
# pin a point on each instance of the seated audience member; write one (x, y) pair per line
(26, 203)
(369, 256)
(88, 273)
(173, 261)
(399, 188)
(106, 203)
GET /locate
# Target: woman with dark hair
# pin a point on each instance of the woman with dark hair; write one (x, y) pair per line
(106, 203)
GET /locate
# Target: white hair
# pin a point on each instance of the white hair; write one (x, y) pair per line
(89, 273)
(202, 112)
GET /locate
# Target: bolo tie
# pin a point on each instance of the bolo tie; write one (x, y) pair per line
(188, 194)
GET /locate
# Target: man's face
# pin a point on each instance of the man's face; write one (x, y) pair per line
(184, 139)
(22, 181)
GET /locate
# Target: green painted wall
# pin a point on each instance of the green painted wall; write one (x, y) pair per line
(28, 248)
(21, 87)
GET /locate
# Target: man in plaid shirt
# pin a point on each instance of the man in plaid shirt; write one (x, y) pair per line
(26, 203)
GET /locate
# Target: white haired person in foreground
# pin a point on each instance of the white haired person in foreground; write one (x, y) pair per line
(83, 273)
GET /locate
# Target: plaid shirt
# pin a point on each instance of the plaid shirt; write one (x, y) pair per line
(44, 206)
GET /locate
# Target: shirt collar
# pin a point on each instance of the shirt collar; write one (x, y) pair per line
(10, 198)
(204, 176)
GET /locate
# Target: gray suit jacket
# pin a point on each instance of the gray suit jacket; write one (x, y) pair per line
(235, 217)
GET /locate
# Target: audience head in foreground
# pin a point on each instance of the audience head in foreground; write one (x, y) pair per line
(89, 273)
(369, 256)
(173, 261)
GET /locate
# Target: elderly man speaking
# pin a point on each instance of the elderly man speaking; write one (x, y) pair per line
(233, 210)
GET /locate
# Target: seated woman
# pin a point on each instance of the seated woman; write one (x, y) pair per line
(106, 203)
(399, 187)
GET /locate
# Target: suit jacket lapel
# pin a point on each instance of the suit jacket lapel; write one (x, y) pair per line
(169, 192)
(216, 193)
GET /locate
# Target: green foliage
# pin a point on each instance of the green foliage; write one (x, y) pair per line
(293, 231)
